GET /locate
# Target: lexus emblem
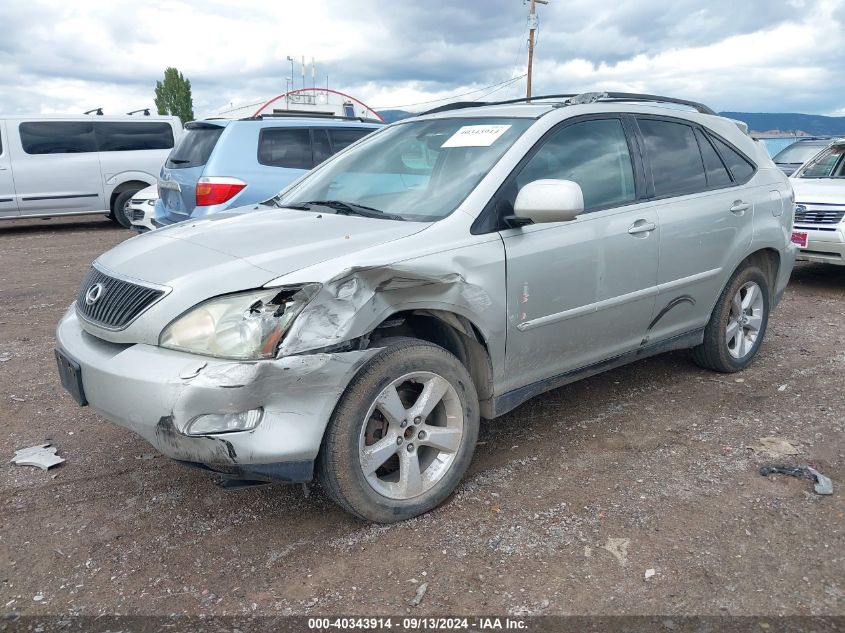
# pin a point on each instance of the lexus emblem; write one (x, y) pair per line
(93, 294)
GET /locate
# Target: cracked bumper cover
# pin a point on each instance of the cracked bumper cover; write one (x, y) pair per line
(142, 388)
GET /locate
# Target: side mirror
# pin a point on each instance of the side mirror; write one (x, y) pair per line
(548, 201)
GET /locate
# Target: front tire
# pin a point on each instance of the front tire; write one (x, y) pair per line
(402, 435)
(738, 323)
(118, 210)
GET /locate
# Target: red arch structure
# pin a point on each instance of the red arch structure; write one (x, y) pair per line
(334, 92)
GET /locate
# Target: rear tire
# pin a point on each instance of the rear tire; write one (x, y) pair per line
(402, 435)
(738, 324)
(118, 210)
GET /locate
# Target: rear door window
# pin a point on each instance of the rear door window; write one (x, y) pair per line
(741, 169)
(57, 137)
(285, 147)
(126, 136)
(717, 173)
(676, 163)
(344, 137)
(195, 147)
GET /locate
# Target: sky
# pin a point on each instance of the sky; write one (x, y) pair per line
(67, 56)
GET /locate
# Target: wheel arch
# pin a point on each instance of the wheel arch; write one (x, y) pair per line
(127, 185)
(452, 331)
(769, 261)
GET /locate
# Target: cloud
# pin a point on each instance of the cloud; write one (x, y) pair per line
(759, 55)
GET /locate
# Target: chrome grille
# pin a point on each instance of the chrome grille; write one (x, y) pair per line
(117, 303)
(804, 215)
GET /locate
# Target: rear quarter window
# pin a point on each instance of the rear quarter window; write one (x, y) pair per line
(57, 137)
(741, 168)
(125, 136)
(195, 147)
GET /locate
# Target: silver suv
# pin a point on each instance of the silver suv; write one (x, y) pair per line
(444, 269)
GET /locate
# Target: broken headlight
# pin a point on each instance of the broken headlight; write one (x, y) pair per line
(244, 326)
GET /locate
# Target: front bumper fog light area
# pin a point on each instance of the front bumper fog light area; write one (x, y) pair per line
(225, 422)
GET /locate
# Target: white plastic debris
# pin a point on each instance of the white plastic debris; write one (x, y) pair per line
(649, 573)
(42, 456)
(418, 596)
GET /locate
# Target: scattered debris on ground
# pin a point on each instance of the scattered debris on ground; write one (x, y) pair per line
(42, 456)
(776, 446)
(639, 452)
(823, 485)
(649, 573)
(419, 595)
(619, 548)
(5, 356)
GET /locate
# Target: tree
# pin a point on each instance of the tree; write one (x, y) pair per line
(173, 95)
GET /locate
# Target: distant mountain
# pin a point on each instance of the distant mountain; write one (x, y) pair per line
(771, 122)
(394, 115)
(788, 122)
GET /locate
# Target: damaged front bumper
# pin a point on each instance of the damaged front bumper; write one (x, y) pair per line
(156, 393)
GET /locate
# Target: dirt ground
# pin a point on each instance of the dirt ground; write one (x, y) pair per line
(570, 498)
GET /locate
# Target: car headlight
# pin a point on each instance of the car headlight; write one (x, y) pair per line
(243, 326)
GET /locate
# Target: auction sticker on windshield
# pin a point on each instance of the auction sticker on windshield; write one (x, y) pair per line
(476, 136)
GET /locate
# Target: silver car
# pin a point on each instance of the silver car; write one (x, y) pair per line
(444, 269)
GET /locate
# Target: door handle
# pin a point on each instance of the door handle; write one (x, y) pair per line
(641, 226)
(2, 168)
(739, 207)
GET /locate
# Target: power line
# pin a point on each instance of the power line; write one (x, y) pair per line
(503, 86)
(463, 94)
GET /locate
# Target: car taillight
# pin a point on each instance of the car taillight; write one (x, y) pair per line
(211, 191)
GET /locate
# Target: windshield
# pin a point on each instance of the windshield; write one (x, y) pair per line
(798, 153)
(419, 171)
(828, 164)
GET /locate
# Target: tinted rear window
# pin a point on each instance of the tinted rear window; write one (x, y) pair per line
(285, 147)
(124, 136)
(344, 137)
(58, 137)
(741, 169)
(676, 165)
(194, 148)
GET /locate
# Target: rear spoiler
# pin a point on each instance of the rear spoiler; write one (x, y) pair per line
(742, 125)
(201, 125)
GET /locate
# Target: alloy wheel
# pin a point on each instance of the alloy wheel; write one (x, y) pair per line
(745, 320)
(411, 435)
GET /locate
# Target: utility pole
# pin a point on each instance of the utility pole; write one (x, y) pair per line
(532, 27)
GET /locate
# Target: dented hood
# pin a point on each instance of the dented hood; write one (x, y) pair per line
(819, 190)
(261, 245)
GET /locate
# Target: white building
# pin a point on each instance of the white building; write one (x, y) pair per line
(317, 101)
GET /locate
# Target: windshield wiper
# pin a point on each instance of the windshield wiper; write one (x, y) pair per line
(350, 208)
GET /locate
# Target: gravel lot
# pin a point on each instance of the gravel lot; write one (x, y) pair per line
(570, 498)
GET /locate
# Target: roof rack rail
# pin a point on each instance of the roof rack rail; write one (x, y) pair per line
(579, 99)
(309, 115)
